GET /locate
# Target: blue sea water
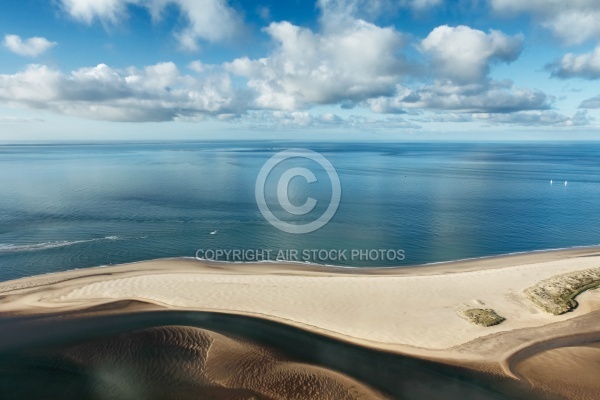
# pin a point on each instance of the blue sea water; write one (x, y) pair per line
(66, 206)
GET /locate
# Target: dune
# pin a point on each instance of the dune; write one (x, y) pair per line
(407, 312)
(571, 372)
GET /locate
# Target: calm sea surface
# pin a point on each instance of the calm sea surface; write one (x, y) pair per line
(75, 206)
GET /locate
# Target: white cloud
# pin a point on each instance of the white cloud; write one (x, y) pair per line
(329, 119)
(585, 66)
(594, 102)
(387, 105)
(351, 64)
(31, 47)
(536, 118)
(162, 93)
(489, 97)
(574, 21)
(87, 10)
(210, 20)
(460, 61)
(354, 64)
(464, 55)
(198, 66)
(155, 93)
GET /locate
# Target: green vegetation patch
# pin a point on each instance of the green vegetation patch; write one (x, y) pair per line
(482, 317)
(556, 295)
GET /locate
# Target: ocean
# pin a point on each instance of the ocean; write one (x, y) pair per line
(67, 206)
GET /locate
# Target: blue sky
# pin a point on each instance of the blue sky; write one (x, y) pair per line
(328, 70)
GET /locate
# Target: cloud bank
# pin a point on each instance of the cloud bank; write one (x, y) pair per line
(153, 94)
(347, 60)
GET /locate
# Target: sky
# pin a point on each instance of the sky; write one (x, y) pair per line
(299, 69)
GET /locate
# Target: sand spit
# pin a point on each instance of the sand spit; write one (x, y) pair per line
(414, 312)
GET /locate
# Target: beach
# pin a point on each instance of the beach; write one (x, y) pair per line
(415, 314)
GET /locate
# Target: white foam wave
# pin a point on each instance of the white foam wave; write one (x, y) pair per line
(20, 248)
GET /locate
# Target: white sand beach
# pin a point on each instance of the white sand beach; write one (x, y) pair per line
(408, 310)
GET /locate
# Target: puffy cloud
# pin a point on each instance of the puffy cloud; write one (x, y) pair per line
(211, 20)
(354, 64)
(87, 10)
(536, 118)
(350, 64)
(573, 21)
(155, 93)
(464, 55)
(594, 102)
(358, 64)
(387, 105)
(31, 47)
(585, 66)
(329, 119)
(201, 68)
(198, 66)
(461, 58)
(490, 97)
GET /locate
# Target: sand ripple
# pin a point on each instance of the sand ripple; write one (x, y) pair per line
(190, 363)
